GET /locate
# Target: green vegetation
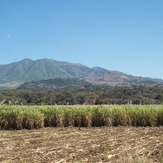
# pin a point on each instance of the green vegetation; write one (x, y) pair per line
(29, 117)
(27, 70)
(57, 83)
(118, 95)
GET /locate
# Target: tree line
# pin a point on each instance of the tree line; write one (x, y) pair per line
(115, 95)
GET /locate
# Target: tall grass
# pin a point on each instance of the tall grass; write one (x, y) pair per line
(29, 117)
(15, 117)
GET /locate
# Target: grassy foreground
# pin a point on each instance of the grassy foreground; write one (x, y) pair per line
(30, 117)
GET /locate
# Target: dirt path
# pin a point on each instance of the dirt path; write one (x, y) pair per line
(105, 144)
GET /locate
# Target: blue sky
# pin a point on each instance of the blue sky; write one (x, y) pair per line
(123, 35)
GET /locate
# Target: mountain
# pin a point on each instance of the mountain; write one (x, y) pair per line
(42, 72)
(110, 78)
(28, 70)
(116, 78)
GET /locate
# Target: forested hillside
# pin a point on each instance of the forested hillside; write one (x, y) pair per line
(28, 70)
(57, 83)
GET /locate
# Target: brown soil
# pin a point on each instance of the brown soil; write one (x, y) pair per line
(105, 144)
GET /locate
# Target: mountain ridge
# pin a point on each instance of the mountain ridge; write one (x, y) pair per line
(28, 70)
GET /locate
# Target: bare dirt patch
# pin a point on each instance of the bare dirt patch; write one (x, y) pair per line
(105, 144)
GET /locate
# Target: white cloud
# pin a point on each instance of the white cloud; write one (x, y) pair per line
(8, 36)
